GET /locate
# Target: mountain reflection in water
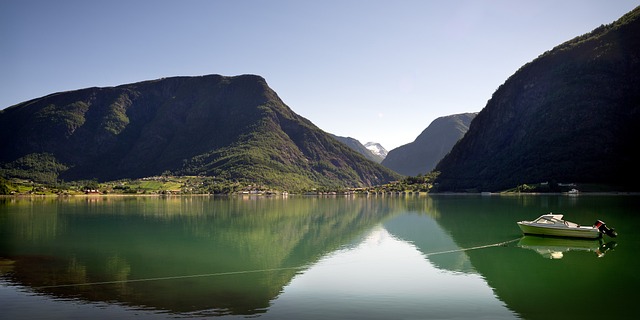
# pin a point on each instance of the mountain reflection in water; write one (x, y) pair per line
(116, 243)
(567, 288)
(310, 257)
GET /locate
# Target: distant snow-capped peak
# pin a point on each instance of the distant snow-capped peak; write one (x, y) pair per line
(376, 149)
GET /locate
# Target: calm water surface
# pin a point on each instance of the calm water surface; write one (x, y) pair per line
(398, 257)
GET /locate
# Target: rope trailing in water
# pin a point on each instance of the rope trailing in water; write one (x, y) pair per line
(473, 248)
(244, 272)
(168, 278)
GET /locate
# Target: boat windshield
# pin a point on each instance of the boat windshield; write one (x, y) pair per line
(550, 219)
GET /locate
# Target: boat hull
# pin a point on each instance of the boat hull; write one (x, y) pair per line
(581, 232)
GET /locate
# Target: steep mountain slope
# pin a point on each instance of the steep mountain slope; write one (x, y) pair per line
(231, 127)
(422, 155)
(377, 149)
(357, 146)
(571, 115)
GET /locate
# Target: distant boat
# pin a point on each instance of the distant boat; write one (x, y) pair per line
(552, 225)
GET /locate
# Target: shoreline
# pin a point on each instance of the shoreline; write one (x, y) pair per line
(484, 194)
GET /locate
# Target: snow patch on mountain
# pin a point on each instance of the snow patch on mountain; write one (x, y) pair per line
(376, 149)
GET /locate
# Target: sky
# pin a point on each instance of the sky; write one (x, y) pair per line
(372, 70)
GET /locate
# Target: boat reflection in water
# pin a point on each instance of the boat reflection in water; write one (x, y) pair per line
(555, 248)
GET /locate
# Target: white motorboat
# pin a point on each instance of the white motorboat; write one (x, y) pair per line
(553, 225)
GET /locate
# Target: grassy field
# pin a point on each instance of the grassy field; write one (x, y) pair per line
(158, 185)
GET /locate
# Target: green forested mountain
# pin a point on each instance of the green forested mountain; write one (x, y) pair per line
(229, 127)
(570, 115)
(422, 155)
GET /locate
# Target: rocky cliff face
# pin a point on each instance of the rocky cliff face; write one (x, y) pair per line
(422, 155)
(571, 115)
(233, 127)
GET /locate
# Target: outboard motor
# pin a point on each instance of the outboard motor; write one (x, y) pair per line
(600, 225)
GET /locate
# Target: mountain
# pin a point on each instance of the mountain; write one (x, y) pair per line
(570, 115)
(235, 128)
(357, 146)
(422, 155)
(377, 149)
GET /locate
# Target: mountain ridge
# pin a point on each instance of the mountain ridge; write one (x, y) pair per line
(431, 145)
(229, 127)
(570, 115)
(377, 149)
(357, 146)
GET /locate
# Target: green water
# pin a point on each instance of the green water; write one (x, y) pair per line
(392, 257)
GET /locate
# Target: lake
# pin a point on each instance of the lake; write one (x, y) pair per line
(299, 257)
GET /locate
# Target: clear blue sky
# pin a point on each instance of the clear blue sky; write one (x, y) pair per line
(372, 70)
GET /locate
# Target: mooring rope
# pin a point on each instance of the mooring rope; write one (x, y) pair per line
(472, 248)
(245, 271)
(169, 278)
